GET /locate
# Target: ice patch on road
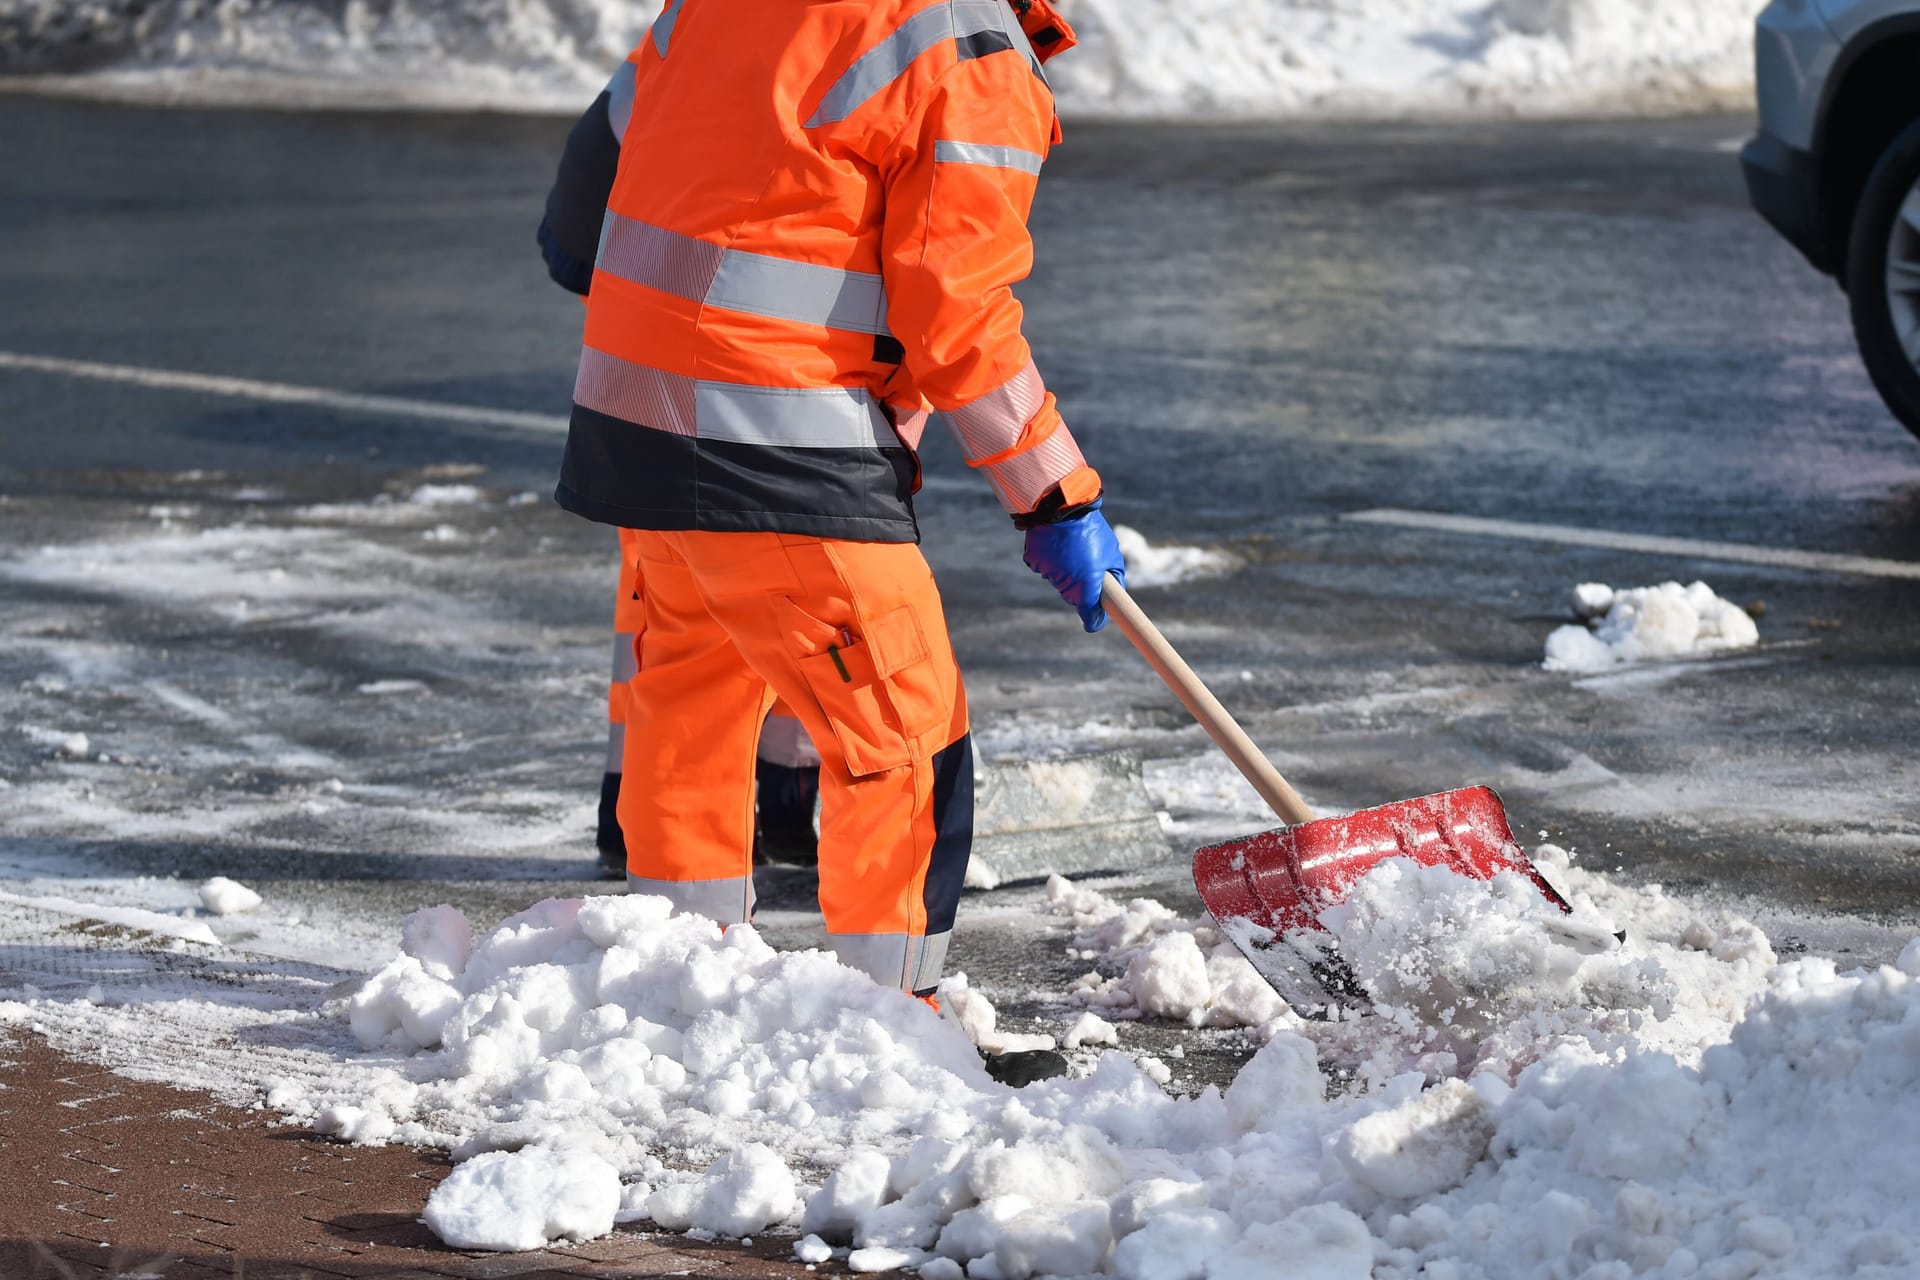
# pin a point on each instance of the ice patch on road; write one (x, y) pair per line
(1647, 624)
(1154, 57)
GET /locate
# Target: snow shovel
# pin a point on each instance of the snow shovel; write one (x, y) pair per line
(1267, 890)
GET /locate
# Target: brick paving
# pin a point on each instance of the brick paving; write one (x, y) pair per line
(101, 1177)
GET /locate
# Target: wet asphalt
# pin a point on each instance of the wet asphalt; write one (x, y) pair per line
(1255, 330)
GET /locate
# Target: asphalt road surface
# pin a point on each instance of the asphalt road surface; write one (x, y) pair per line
(303, 679)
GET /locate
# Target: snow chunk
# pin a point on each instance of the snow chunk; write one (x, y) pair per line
(1090, 1028)
(1644, 624)
(440, 938)
(1420, 1147)
(517, 1200)
(742, 1192)
(224, 897)
(1151, 566)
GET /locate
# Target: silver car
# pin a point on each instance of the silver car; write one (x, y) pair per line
(1835, 166)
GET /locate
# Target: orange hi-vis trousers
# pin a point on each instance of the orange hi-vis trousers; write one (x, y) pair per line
(851, 637)
(782, 739)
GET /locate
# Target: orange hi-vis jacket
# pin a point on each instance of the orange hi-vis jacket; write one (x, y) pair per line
(818, 216)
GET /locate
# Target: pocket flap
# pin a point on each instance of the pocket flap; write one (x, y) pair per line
(896, 641)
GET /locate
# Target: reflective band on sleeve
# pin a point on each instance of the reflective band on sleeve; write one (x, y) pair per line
(663, 26)
(781, 417)
(992, 423)
(758, 283)
(620, 101)
(945, 152)
(727, 901)
(1022, 480)
(887, 61)
(791, 417)
(901, 960)
(800, 291)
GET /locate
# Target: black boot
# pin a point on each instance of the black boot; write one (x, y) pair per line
(607, 837)
(1024, 1066)
(783, 830)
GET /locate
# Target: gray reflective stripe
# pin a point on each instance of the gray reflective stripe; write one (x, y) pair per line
(625, 664)
(902, 960)
(1022, 480)
(616, 747)
(992, 423)
(945, 152)
(728, 901)
(620, 101)
(800, 291)
(634, 392)
(663, 26)
(791, 417)
(658, 258)
(784, 417)
(887, 61)
(738, 280)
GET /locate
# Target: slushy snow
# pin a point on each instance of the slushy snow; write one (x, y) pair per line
(1517, 1105)
(1143, 57)
(1647, 624)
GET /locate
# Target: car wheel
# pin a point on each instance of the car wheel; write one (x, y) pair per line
(1883, 276)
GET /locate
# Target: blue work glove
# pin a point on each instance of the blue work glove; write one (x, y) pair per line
(1075, 555)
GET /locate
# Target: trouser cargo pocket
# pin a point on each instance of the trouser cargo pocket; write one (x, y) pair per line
(880, 690)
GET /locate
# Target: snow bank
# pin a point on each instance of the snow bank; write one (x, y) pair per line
(518, 1200)
(1517, 1106)
(1644, 624)
(1158, 57)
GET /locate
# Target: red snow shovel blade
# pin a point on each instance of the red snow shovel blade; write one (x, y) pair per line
(1267, 890)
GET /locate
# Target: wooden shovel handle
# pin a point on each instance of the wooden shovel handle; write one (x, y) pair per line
(1206, 708)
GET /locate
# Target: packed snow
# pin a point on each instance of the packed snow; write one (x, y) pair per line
(1515, 1105)
(1646, 624)
(1144, 57)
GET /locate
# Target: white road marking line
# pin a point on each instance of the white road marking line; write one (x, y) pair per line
(285, 393)
(1688, 548)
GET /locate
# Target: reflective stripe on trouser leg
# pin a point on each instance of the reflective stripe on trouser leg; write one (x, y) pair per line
(693, 721)
(628, 618)
(851, 637)
(916, 963)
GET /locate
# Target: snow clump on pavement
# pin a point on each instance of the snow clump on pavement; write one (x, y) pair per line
(1644, 624)
(1670, 1105)
(519, 1200)
(224, 897)
(1151, 566)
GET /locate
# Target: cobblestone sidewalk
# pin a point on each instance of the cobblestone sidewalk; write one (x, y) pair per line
(101, 1176)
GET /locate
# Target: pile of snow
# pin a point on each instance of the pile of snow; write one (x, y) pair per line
(1679, 1105)
(1643, 624)
(1151, 566)
(1158, 57)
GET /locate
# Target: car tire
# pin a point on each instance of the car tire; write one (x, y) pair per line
(1883, 276)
